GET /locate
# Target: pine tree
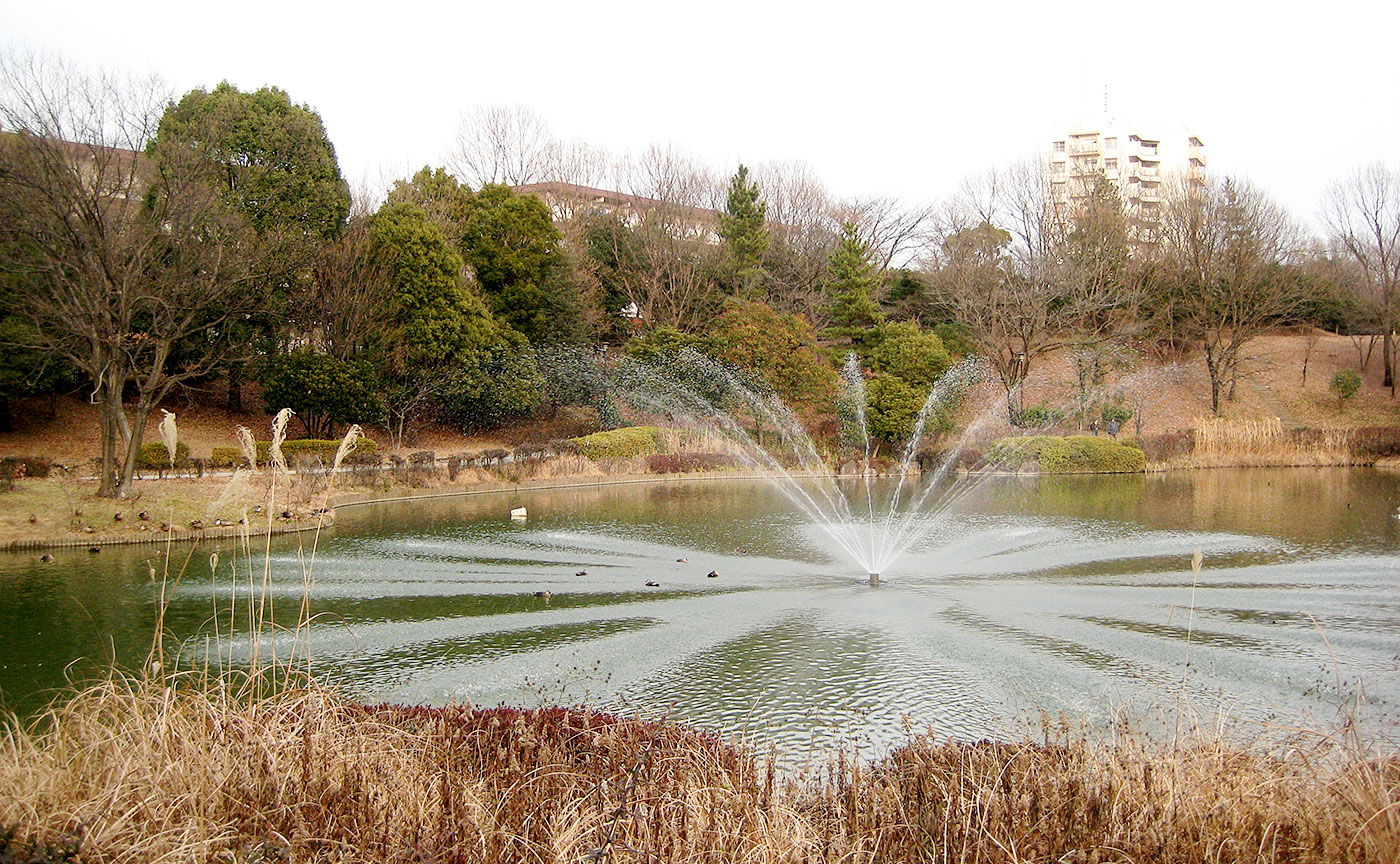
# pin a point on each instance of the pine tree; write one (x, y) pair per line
(741, 226)
(851, 280)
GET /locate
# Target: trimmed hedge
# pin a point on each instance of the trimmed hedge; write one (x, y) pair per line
(228, 457)
(154, 456)
(625, 443)
(1074, 454)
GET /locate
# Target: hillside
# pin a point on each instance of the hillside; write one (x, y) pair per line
(1166, 397)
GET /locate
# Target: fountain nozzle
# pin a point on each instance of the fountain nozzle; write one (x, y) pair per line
(874, 578)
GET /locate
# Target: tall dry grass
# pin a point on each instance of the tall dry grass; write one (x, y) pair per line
(1228, 442)
(190, 769)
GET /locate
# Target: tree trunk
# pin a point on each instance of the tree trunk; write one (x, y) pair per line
(1388, 359)
(133, 448)
(109, 407)
(235, 387)
(1213, 368)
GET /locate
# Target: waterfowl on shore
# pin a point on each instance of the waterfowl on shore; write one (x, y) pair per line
(544, 594)
(197, 524)
(33, 519)
(682, 560)
(651, 584)
(741, 551)
(143, 516)
(581, 573)
(117, 517)
(712, 575)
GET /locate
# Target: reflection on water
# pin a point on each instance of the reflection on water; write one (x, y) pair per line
(1070, 593)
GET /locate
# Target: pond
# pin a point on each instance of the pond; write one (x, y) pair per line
(1066, 594)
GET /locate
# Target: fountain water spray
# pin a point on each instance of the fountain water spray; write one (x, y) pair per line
(711, 398)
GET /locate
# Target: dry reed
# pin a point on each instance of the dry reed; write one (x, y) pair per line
(1226, 442)
(190, 769)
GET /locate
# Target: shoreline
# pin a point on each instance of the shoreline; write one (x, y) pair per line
(349, 500)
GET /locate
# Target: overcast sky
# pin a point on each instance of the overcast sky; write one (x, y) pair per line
(878, 97)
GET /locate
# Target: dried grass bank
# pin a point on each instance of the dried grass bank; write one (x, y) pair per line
(181, 769)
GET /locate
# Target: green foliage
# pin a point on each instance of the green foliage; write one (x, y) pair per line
(438, 194)
(26, 370)
(515, 251)
(851, 282)
(1346, 384)
(891, 407)
(625, 443)
(1036, 417)
(436, 319)
(1111, 413)
(659, 343)
(276, 163)
(780, 349)
(493, 385)
(955, 339)
(322, 390)
(914, 355)
(1074, 454)
(154, 456)
(741, 226)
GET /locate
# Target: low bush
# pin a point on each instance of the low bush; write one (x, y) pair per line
(13, 468)
(154, 457)
(230, 457)
(1074, 454)
(625, 443)
(1036, 417)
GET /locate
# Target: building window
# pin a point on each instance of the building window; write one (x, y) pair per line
(1057, 168)
(1110, 143)
(1059, 146)
(1110, 164)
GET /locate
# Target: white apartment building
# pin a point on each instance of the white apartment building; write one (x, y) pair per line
(1138, 159)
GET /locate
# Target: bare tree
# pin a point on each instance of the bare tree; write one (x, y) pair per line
(507, 144)
(1229, 241)
(1362, 214)
(1011, 279)
(131, 267)
(896, 230)
(802, 223)
(343, 307)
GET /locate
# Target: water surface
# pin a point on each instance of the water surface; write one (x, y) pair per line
(1070, 594)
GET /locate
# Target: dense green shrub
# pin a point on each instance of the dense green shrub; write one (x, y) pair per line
(1345, 384)
(1119, 413)
(1036, 417)
(1066, 455)
(154, 456)
(323, 390)
(625, 443)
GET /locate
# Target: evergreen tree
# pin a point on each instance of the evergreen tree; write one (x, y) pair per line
(272, 160)
(851, 281)
(741, 226)
(516, 252)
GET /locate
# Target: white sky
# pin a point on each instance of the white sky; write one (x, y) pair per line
(878, 97)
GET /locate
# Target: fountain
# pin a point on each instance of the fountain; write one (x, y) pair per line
(697, 392)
